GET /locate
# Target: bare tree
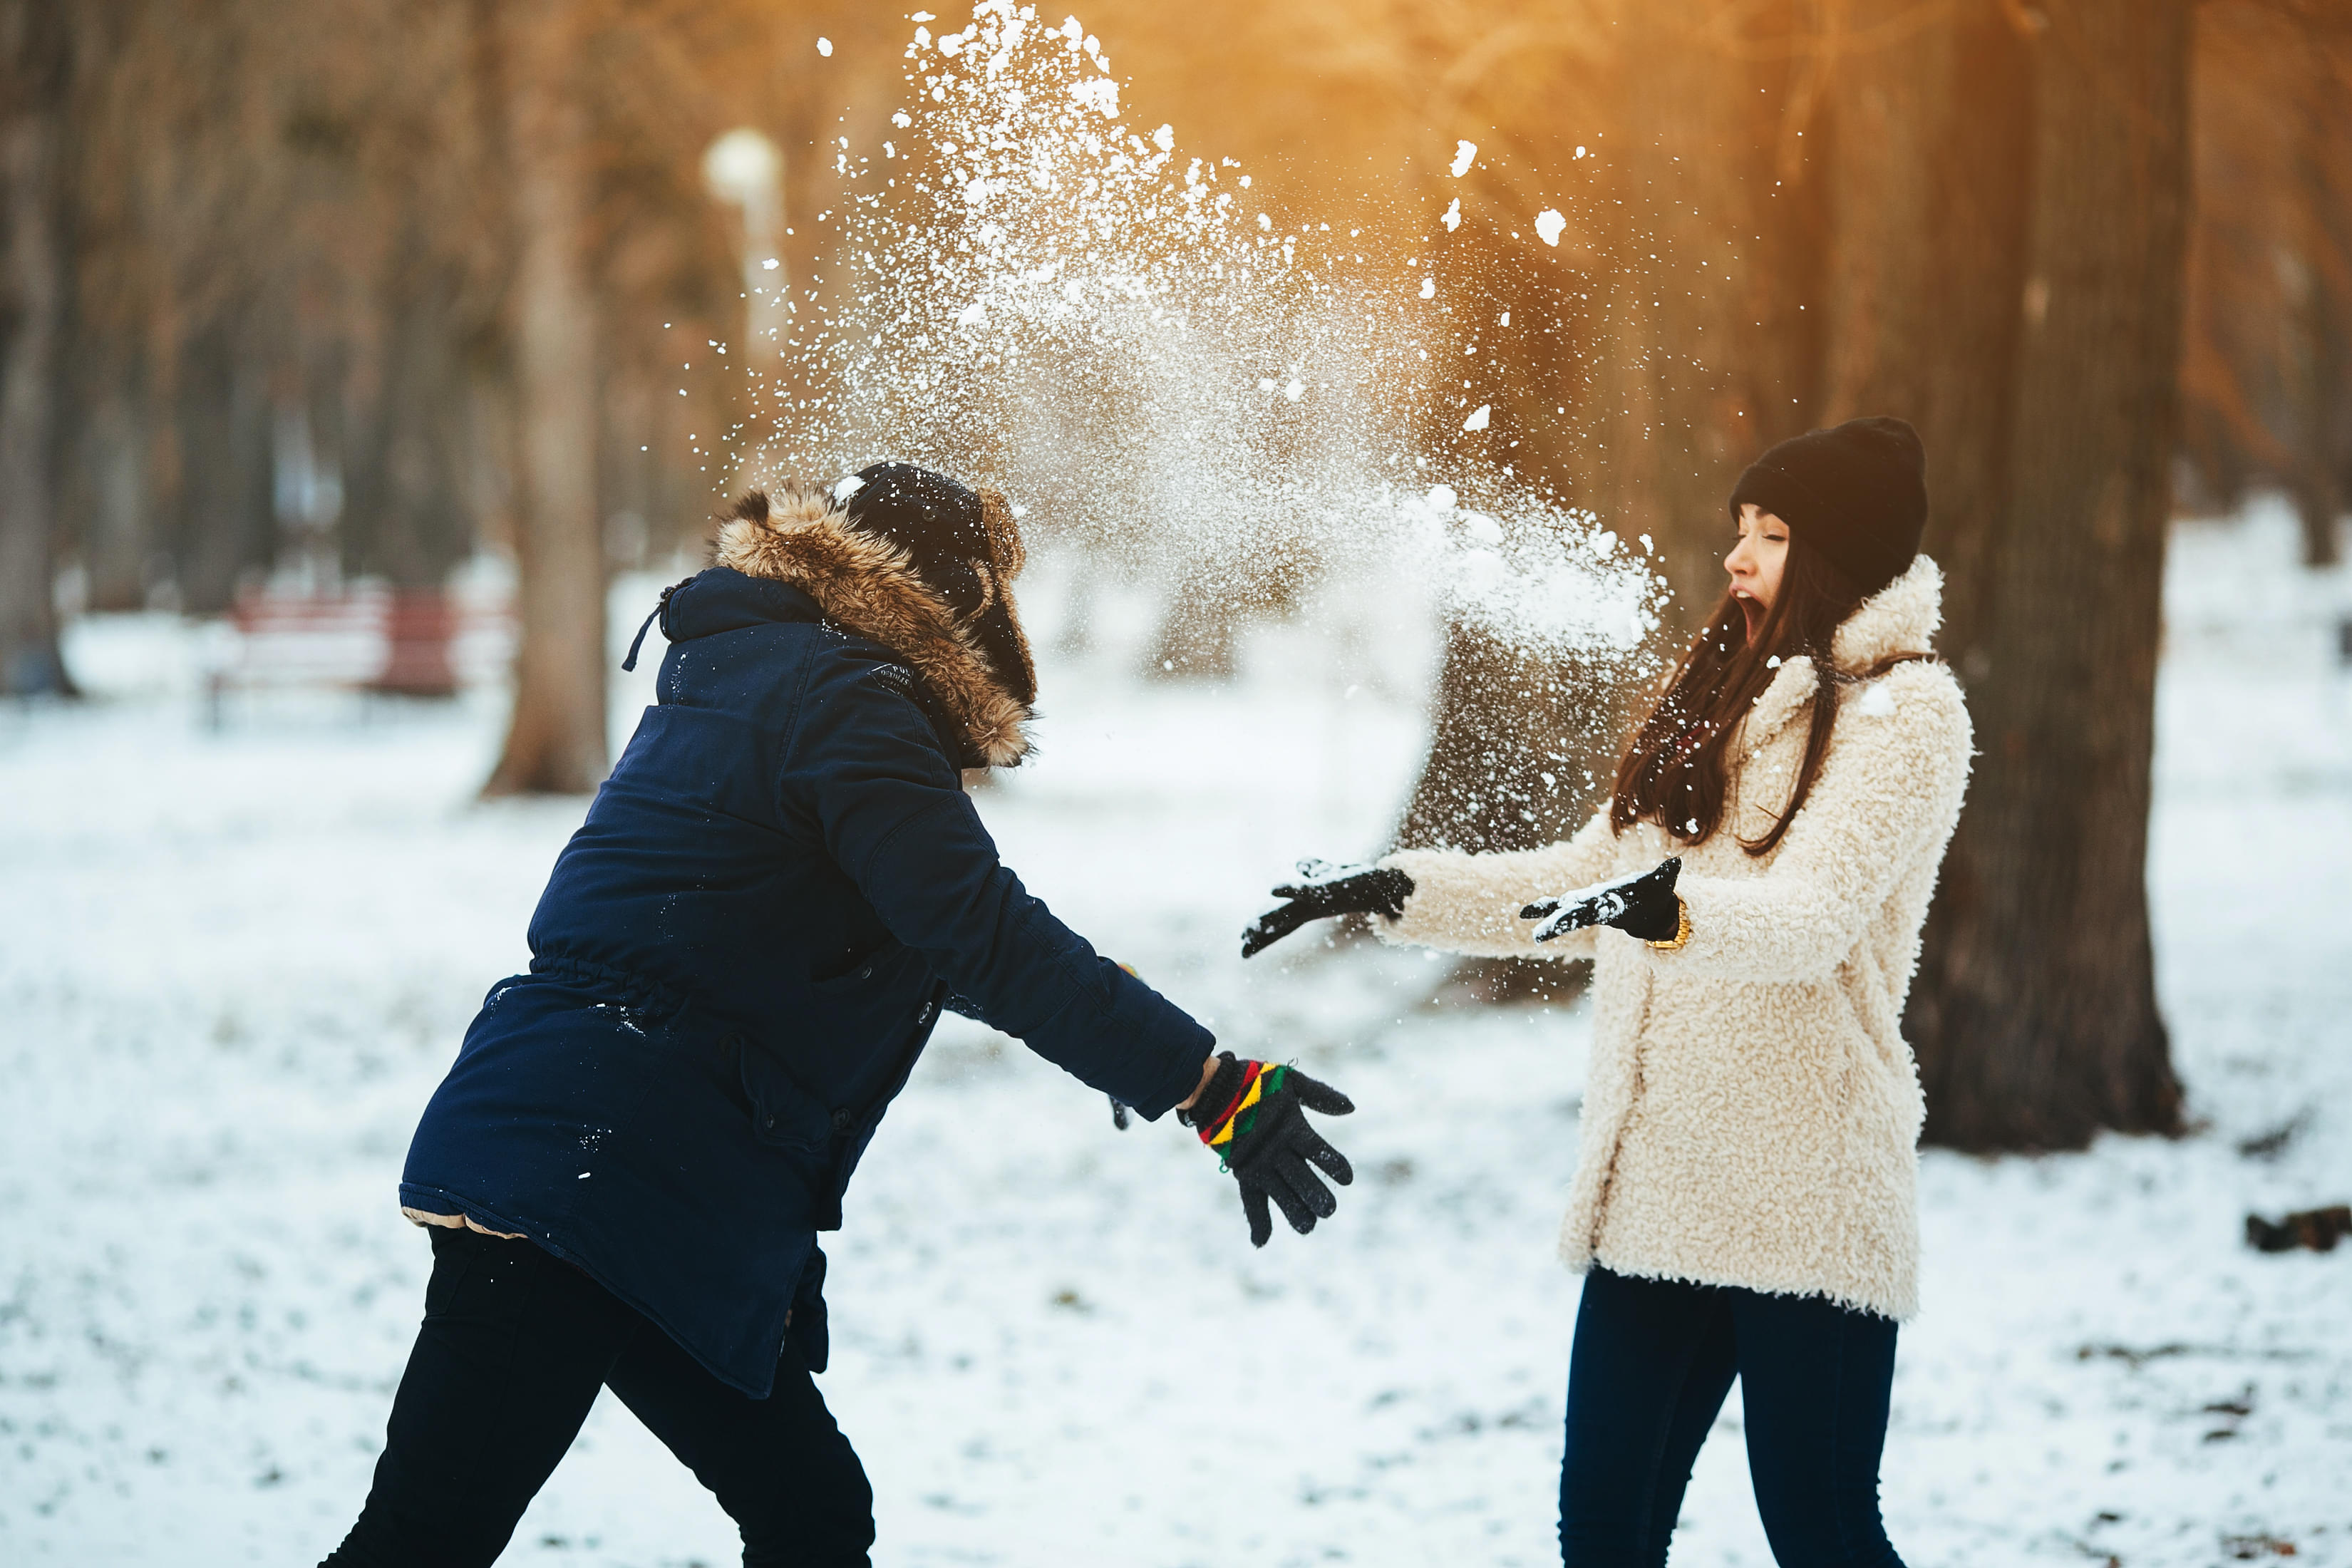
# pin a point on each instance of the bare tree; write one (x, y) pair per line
(556, 740)
(35, 85)
(2035, 1015)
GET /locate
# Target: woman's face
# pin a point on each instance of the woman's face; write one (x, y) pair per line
(1755, 563)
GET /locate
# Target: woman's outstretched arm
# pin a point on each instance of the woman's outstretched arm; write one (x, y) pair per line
(1470, 903)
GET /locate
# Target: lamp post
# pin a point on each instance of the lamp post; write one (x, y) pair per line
(743, 167)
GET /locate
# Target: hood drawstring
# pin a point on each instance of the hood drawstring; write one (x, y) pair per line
(659, 605)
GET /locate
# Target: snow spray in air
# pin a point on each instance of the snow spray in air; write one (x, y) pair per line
(1117, 333)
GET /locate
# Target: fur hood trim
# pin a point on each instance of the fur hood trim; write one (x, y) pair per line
(869, 586)
(1899, 620)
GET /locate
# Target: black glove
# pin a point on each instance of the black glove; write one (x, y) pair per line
(1644, 906)
(1254, 1114)
(1324, 889)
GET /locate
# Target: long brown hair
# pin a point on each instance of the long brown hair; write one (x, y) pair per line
(1675, 773)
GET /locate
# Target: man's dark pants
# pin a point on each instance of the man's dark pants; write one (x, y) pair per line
(514, 1346)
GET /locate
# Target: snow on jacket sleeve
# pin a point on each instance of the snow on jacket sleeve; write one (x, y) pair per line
(865, 764)
(1470, 903)
(1887, 796)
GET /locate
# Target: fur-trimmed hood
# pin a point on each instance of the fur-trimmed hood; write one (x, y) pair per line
(869, 586)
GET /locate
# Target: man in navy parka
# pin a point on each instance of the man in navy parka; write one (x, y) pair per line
(736, 963)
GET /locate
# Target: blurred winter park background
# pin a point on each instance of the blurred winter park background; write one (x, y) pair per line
(1371, 374)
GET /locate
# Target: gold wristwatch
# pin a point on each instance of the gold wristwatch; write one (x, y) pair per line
(1682, 928)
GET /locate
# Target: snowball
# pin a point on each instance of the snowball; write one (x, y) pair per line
(1477, 421)
(1549, 225)
(1464, 153)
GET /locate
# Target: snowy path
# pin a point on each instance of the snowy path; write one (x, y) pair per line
(232, 967)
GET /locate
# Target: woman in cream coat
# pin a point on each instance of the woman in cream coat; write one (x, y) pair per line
(1753, 898)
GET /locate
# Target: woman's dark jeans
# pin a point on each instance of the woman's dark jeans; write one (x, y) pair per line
(514, 1346)
(1652, 1362)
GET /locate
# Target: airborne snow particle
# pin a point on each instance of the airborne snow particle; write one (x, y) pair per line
(1296, 390)
(1477, 421)
(1549, 225)
(1452, 218)
(769, 265)
(824, 47)
(1580, 152)
(1464, 153)
(1429, 287)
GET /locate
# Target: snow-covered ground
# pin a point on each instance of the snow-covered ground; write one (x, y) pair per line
(233, 965)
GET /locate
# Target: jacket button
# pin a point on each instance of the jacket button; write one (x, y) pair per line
(772, 1123)
(842, 1121)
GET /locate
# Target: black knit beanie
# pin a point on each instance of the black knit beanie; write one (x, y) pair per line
(1858, 493)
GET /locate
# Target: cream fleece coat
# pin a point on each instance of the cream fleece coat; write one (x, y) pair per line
(1751, 1115)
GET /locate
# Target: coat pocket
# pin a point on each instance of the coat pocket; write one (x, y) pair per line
(882, 961)
(783, 1114)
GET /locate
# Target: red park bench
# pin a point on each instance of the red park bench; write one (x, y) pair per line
(371, 640)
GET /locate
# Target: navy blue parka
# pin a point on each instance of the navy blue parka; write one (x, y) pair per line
(744, 948)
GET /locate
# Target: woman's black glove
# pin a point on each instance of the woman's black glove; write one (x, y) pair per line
(1644, 906)
(1254, 1114)
(1322, 891)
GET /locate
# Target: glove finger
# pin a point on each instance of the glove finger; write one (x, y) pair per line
(1318, 1150)
(1294, 1206)
(1539, 909)
(1316, 1095)
(1309, 1186)
(1261, 1224)
(1272, 926)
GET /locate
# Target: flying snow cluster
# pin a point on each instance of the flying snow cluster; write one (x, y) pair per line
(1120, 333)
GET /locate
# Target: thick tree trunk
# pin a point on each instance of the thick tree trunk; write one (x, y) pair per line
(1699, 357)
(33, 66)
(555, 741)
(2036, 1015)
(1707, 351)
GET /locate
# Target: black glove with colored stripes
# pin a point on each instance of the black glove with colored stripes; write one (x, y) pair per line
(1254, 1114)
(1324, 889)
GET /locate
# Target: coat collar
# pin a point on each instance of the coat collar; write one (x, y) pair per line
(869, 586)
(1900, 619)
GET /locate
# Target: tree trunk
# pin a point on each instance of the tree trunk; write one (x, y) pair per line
(555, 741)
(34, 81)
(2315, 372)
(1698, 356)
(2036, 1015)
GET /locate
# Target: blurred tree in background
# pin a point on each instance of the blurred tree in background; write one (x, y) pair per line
(313, 294)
